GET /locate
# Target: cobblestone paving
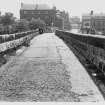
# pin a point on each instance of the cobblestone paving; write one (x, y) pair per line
(41, 74)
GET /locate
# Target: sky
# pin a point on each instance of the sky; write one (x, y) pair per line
(74, 7)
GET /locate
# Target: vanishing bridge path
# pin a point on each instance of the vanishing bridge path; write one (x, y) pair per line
(46, 71)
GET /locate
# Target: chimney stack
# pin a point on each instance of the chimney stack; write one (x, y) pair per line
(91, 12)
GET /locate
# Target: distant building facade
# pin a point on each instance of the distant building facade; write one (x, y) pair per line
(75, 22)
(42, 11)
(65, 20)
(94, 22)
(29, 11)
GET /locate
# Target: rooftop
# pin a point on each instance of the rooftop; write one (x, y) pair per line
(34, 6)
(98, 16)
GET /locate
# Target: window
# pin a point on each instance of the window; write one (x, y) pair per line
(25, 12)
(32, 12)
(46, 12)
(46, 17)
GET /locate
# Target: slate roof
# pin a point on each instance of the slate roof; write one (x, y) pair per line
(34, 6)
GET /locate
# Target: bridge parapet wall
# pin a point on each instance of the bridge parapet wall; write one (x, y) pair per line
(10, 41)
(91, 47)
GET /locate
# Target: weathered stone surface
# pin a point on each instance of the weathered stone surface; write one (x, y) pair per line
(45, 72)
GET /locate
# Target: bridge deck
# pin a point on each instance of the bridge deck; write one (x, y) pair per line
(47, 71)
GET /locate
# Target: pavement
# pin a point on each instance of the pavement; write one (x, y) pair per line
(47, 71)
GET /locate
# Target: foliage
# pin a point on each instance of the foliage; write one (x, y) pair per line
(21, 25)
(6, 21)
(36, 23)
(9, 24)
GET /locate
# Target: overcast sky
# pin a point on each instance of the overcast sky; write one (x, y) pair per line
(74, 7)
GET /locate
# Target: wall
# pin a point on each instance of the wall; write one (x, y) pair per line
(91, 47)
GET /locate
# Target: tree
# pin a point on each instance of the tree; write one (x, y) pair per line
(7, 20)
(22, 25)
(36, 23)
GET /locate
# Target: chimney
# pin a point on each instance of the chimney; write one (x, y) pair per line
(91, 12)
(21, 5)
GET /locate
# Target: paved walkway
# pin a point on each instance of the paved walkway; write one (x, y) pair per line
(47, 71)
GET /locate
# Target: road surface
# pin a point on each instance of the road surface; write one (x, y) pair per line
(47, 71)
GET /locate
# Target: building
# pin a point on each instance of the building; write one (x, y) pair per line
(65, 20)
(44, 12)
(75, 22)
(94, 22)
